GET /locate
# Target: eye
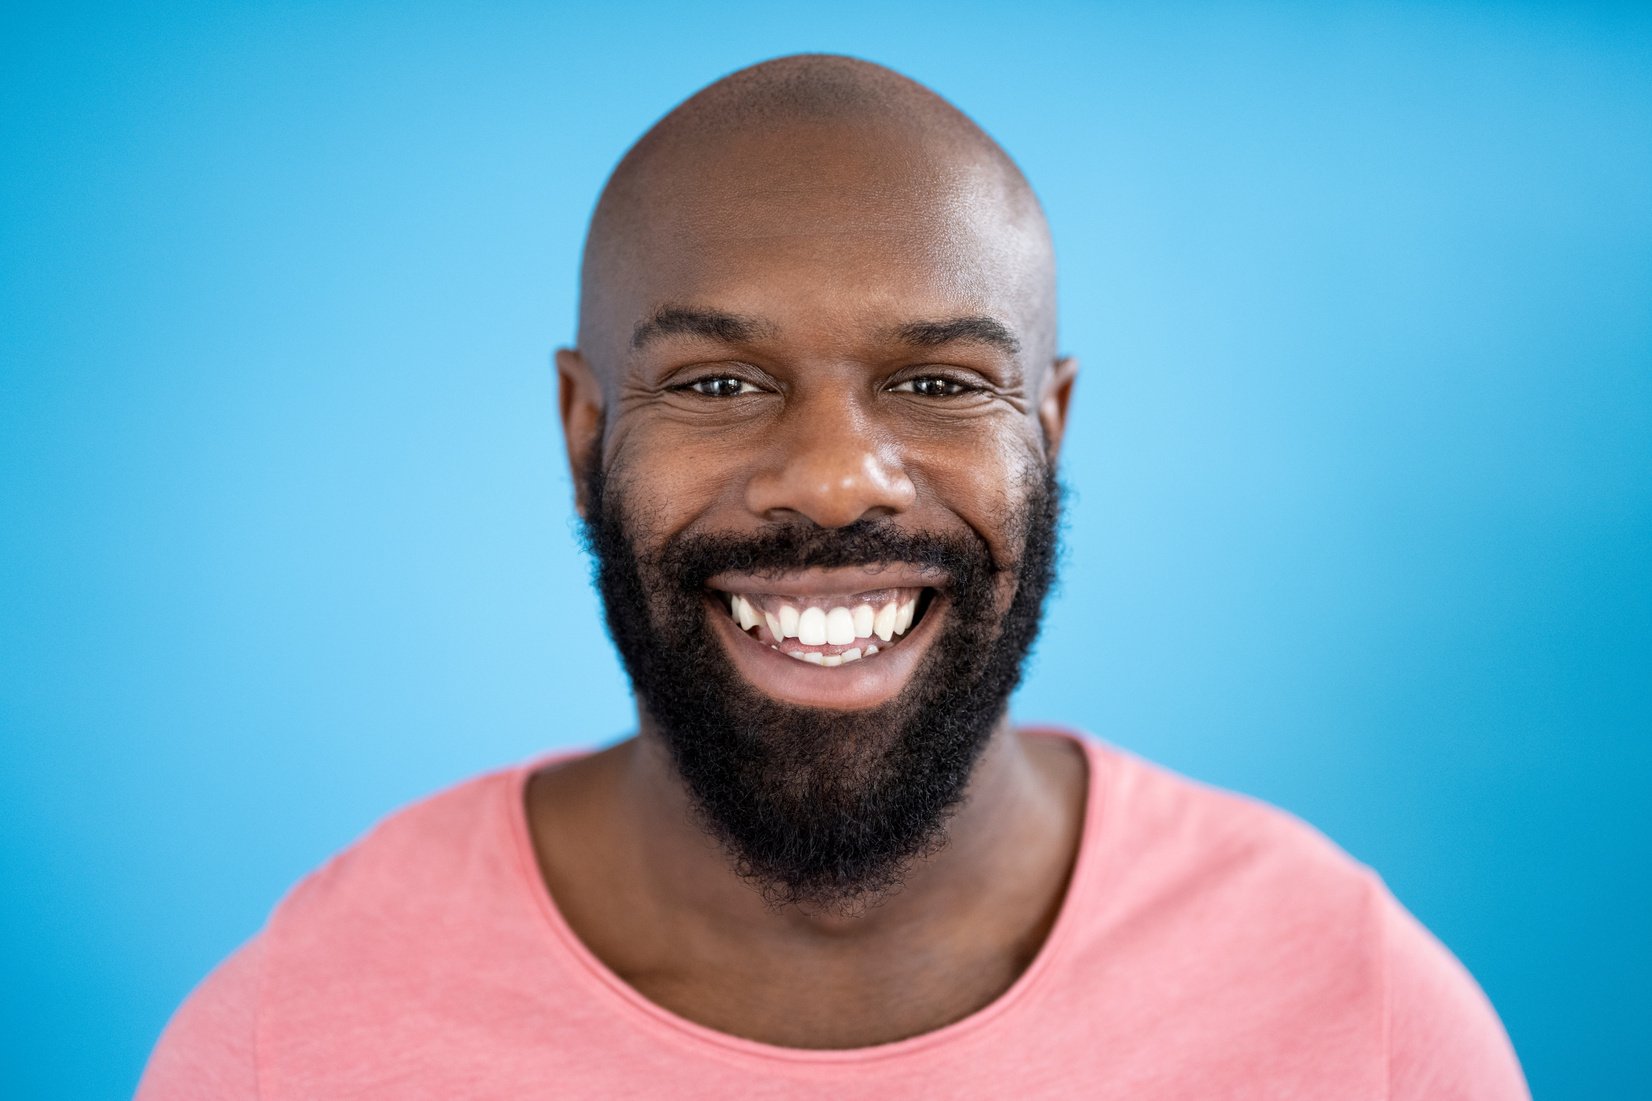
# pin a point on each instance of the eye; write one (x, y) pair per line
(933, 386)
(719, 386)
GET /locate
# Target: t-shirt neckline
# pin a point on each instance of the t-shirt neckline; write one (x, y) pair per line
(626, 1000)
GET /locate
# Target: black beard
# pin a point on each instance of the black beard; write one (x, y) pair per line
(818, 808)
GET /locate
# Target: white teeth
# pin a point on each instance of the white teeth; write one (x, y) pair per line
(815, 657)
(883, 623)
(811, 627)
(798, 654)
(851, 655)
(818, 626)
(840, 627)
(832, 659)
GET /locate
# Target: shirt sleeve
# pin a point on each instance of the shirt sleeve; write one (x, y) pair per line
(208, 1050)
(1445, 1042)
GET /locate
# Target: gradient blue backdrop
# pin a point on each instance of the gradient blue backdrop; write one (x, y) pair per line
(1363, 520)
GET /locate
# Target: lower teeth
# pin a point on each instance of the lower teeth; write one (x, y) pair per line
(828, 660)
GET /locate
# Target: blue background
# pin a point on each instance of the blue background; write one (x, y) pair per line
(1362, 453)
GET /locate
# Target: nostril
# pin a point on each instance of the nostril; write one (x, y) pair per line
(831, 488)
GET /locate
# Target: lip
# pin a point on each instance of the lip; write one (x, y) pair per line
(852, 686)
(840, 581)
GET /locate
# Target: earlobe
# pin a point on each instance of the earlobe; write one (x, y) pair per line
(580, 402)
(1056, 393)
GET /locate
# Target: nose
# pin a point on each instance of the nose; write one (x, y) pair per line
(829, 466)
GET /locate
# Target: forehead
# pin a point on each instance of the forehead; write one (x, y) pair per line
(830, 230)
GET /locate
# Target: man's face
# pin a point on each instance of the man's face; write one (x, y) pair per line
(821, 496)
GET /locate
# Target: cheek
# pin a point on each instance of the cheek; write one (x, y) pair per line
(660, 491)
(671, 476)
(987, 485)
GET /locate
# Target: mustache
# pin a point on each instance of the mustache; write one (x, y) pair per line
(693, 558)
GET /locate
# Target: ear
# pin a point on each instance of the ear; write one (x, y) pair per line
(579, 398)
(1052, 402)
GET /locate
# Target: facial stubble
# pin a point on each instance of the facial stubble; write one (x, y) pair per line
(817, 808)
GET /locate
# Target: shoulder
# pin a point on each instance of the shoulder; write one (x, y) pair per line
(1445, 1040)
(1160, 830)
(405, 857)
(1222, 904)
(328, 945)
(208, 1050)
(1255, 919)
(438, 878)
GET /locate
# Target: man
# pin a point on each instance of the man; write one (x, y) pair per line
(813, 418)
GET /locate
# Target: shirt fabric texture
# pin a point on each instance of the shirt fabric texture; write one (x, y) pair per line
(1208, 946)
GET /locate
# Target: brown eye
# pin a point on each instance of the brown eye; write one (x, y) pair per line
(721, 386)
(932, 386)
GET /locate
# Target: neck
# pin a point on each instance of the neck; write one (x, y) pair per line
(656, 899)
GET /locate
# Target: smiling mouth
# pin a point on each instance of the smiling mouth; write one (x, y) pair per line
(828, 630)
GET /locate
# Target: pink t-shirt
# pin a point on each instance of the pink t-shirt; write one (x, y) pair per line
(1208, 947)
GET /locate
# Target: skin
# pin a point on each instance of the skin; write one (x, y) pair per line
(829, 235)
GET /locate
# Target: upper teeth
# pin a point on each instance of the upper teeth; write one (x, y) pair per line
(884, 622)
(837, 625)
(811, 626)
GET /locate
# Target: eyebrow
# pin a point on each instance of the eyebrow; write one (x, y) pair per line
(694, 321)
(733, 329)
(980, 330)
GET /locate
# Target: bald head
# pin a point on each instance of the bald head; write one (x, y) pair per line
(858, 195)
